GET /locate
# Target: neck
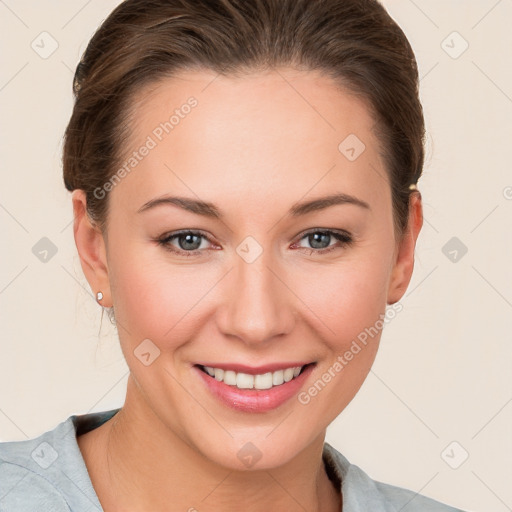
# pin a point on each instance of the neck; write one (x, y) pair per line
(141, 464)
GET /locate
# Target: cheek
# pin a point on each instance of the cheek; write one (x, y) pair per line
(157, 299)
(349, 303)
(347, 297)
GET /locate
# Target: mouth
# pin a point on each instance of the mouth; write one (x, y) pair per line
(257, 379)
(254, 390)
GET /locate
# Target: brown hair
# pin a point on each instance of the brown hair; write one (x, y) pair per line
(355, 42)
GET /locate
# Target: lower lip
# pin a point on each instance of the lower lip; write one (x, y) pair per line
(254, 400)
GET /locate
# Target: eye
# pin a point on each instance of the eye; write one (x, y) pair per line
(319, 240)
(187, 242)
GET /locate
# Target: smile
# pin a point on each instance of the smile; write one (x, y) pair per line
(242, 380)
(254, 390)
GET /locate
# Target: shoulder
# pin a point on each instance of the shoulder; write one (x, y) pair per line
(360, 492)
(25, 483)
(48, 472)
(410, 501)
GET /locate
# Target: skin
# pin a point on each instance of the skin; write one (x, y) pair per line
(243, 149)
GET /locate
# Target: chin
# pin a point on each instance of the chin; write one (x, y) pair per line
(251, 449)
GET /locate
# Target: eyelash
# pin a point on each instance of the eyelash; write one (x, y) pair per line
(344, 240)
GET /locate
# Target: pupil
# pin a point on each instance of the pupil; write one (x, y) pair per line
(316, 238)
(189, 241)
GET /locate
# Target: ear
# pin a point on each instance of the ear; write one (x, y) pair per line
(91, 249)
(404, 259)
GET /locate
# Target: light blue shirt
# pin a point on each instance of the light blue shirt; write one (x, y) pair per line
(48, 474)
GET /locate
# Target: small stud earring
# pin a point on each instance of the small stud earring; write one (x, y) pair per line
(99, 296)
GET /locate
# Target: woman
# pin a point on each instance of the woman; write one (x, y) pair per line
(243, 178)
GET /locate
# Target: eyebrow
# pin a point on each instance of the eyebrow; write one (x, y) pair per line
(210, 210)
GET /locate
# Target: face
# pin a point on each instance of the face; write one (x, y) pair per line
(248, 271)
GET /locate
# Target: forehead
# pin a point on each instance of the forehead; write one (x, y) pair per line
(256, 134)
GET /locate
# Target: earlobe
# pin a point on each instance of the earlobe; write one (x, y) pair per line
(91, 248)
(404, 261)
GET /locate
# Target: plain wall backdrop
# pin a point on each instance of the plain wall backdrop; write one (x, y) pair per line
(435, 413)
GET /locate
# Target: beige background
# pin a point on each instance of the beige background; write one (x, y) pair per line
(443, 372)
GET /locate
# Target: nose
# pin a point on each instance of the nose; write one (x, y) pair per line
(257, 306)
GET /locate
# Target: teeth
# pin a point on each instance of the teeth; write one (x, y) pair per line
(244, 381)
(247, 381)
(288, 374)
(263, 381)
(230, 378)
(277, 378)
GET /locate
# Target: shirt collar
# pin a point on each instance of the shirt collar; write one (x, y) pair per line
(359, 492)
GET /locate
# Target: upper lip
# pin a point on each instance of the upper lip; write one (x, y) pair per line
(256, 370)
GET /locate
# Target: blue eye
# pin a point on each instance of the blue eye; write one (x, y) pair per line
(189, 242)
(319, 240)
